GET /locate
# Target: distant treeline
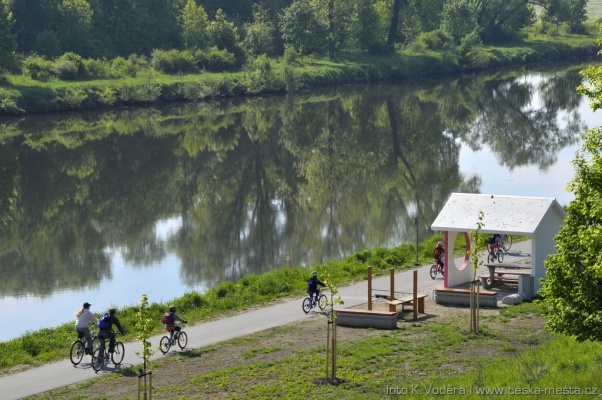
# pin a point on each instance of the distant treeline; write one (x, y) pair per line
(222, 35)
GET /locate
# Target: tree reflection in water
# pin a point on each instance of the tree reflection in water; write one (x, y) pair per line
(250, 185)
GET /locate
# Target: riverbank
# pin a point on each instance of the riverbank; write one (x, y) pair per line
(53, 343)
(20, 95)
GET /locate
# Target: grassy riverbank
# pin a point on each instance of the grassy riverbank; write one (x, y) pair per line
(50, 344)
(425, 359)
(22, 95)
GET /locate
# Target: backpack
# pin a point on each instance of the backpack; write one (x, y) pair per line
(105, 321)
(167, 318)
(437, 252)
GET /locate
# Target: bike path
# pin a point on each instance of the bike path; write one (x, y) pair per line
(63, 373)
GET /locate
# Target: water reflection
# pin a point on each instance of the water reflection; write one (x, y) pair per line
(215, 191)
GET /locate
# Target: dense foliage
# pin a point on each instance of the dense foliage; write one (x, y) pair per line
(107, 29)
(573, 288)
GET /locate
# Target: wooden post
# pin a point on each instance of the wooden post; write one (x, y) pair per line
(415, 294)
(369, 288)
(392, 307)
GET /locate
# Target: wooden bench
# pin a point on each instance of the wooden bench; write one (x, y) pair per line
(367, 319)
(501, 276)
(409, 300)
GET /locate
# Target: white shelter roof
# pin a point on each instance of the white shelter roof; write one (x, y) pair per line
(503, 214)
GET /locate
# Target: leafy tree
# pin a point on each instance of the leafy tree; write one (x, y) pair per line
(364, 24)
(7, 40)
(195, 23)
(75, 26)
(572, 291)
(459, 18)
(301, 27)
(259, 37)
(48, 44)
(223, 33)
(573, 13)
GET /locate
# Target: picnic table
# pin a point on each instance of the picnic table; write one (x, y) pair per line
(506, 269)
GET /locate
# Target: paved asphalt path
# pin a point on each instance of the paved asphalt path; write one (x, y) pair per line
(63, 373)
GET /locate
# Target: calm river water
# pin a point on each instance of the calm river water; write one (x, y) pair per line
(105, 206)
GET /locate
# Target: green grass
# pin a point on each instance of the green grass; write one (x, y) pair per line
(420, 361)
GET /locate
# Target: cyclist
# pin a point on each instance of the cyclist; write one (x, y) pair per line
(84, 318)
(312, 287)
(105, 328)
(172, 326)
(494, 243)
(438, 253)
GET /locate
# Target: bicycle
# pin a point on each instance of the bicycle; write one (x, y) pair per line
(495, 254)
(437, 268)
(320, 300)
(100, 356)
(78, 347)
(180, 337)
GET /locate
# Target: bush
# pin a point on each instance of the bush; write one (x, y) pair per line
(97, 69)
(129, 67)
(68, 67)
(173, 61)
(216, 60)
(36, 67)
(434, 40)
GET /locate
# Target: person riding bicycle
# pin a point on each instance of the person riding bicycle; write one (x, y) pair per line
(84, 318)
(312, 287)
(494, 243)
(172, 326)
(105, 328)
(438, 253)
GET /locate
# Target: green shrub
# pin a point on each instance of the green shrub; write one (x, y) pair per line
(173, 61)
(68, 67)
(434, 40)
(37, 67)
(131, 66)
(96, 69)
(216, 60)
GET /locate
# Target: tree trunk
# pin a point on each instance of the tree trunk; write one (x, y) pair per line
(331, 29)
(393, 26)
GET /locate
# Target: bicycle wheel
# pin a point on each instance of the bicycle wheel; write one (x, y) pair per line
(98, 359)
(507, 243)
(491, 257)
(322, 301)
(433, 271)
(77, 352)
(500, 256)
(182, 340)
(164, 345)
(118, 354)
(306, 305)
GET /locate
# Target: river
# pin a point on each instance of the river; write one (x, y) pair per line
(105, 206)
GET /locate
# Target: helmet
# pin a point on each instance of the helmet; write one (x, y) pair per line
(314, 273)
(112, 311)
(172, 308)
(439, 243)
